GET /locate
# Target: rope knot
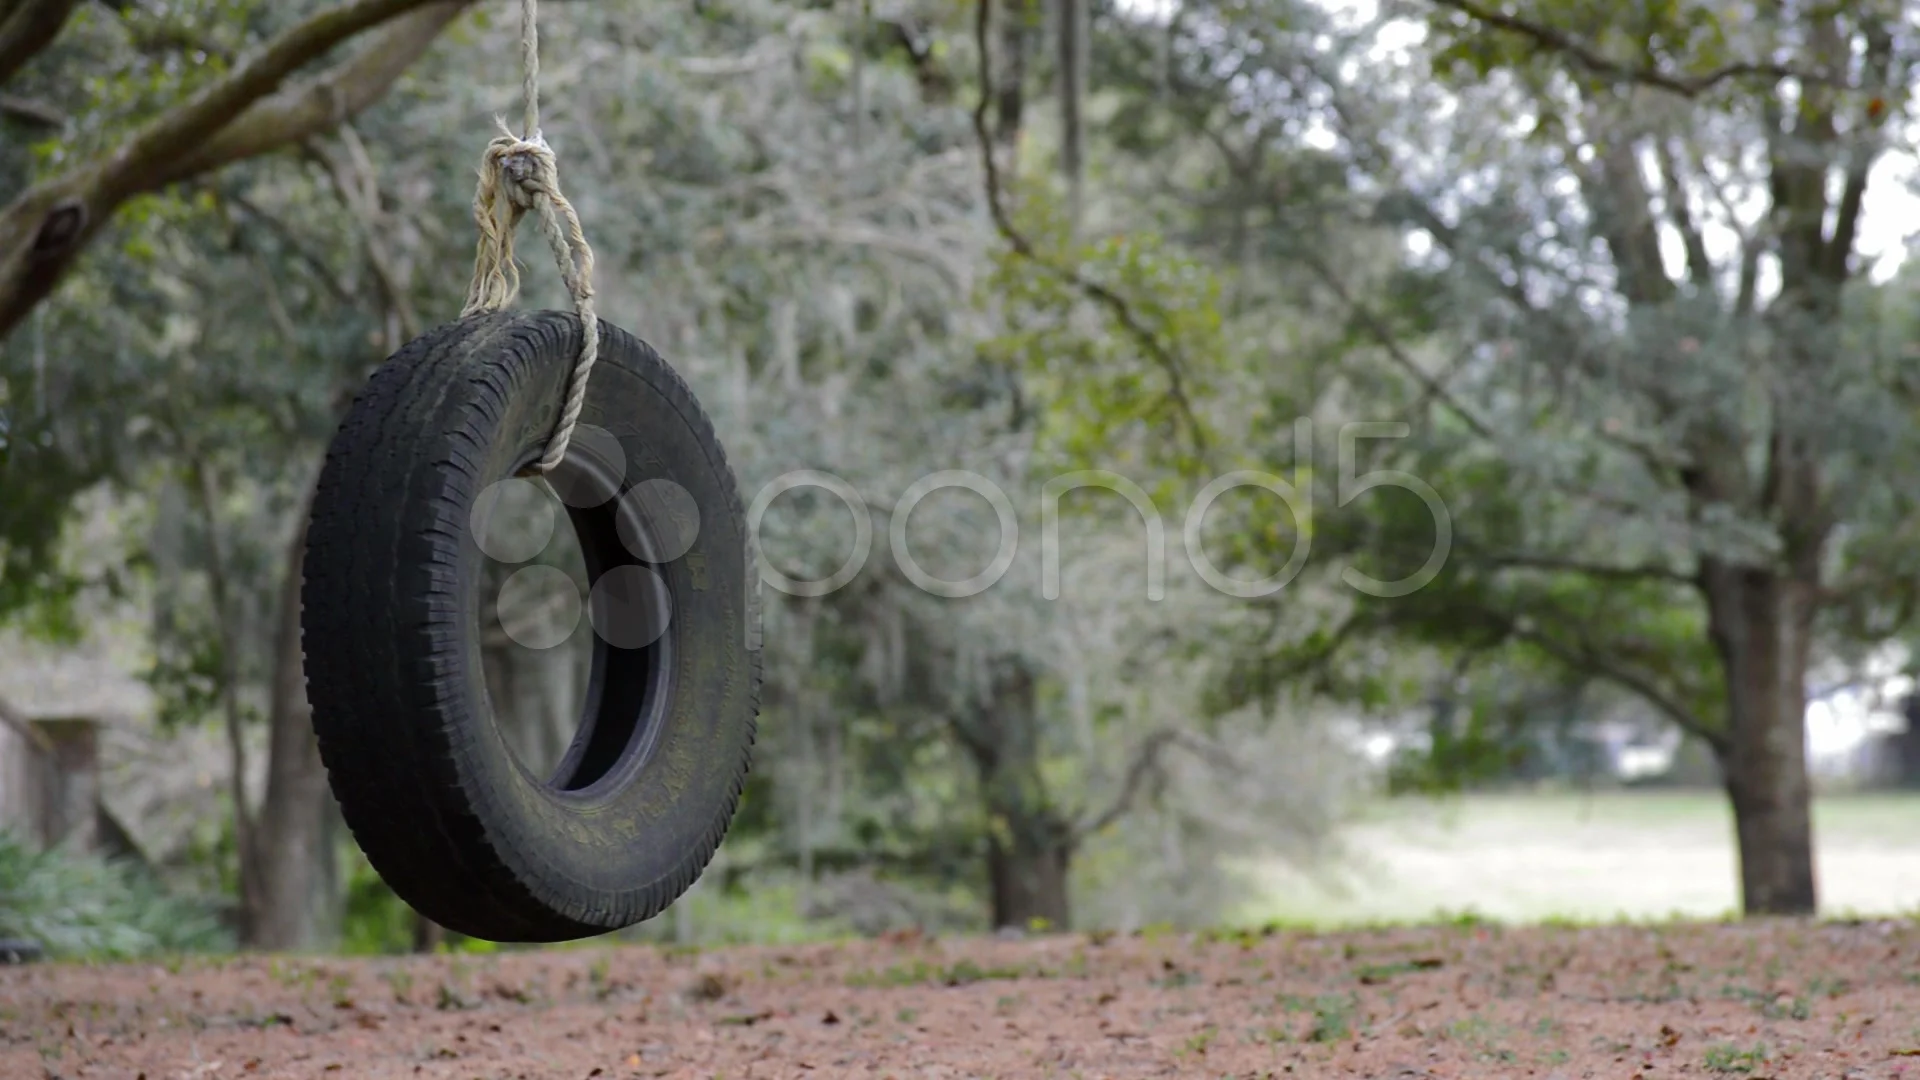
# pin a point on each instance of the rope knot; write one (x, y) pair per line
(518, 175)
(526, 166)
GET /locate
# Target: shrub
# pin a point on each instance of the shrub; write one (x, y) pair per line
(85, 907)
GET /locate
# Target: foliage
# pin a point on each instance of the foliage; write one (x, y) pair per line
(85, 907)
(375, 921)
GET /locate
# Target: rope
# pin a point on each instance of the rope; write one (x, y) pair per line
(517, 174)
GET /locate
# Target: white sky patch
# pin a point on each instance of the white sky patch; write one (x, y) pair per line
(1154, 10)
(1863, 704)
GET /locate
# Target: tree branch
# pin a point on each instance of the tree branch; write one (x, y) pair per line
(1260, 679)
(1552, 40)
(358, 185)
(1623, 215)
(1865, 148)
(301, 112)
(26, 29)
(1383, 334)
(28, 111)
(208, 114)
(1146, 761)
(1365, 144)
(285, 234)
(1584, 657)
(45, 229)
(1556, 564)
(1116, 305)
(1747, 294)
(1673, 192)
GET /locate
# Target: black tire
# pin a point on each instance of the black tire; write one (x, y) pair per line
(391, 616)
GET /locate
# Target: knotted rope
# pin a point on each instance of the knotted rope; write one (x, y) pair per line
(518, 174)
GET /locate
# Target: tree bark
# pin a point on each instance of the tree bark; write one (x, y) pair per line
(292, 842)
(1761, 622)
(1028, 878)
(1030, 844)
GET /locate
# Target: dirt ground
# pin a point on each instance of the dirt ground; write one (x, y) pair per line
(1789, 999)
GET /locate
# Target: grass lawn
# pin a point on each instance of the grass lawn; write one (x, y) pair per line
(1587, 857)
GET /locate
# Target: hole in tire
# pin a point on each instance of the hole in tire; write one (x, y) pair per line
(536, 646)
(573, 619)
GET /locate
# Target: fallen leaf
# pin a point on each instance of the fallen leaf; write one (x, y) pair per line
(708, 987)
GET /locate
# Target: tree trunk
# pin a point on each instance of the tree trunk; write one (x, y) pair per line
(1906, 746)
(428, 935)
(1010, 93)
(1028, 877)
(293, 844)
(1030, 845)
(1761, 621)
(232, 711)
(1073, 93)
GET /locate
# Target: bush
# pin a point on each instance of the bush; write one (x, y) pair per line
(86, 907)
(375, 921)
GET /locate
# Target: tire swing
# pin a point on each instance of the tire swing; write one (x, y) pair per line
(392, 606)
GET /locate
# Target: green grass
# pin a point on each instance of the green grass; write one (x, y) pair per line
(1601, 857)
(1732, 1058)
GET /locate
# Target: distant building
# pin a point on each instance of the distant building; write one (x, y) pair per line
(57, 712)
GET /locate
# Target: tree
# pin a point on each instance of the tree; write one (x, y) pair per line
(1671, 435)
